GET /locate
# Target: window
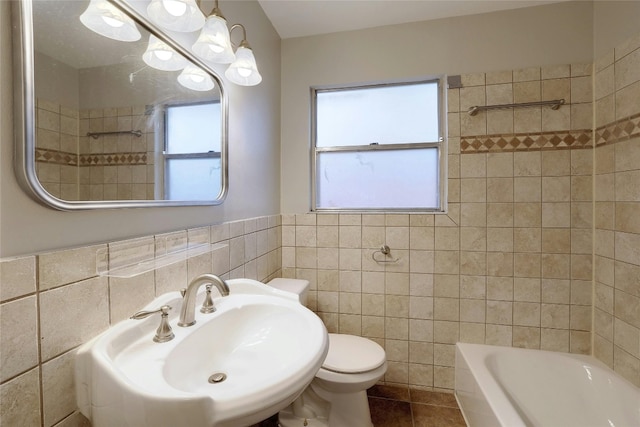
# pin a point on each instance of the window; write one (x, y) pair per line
(378, 147)
(192, 158)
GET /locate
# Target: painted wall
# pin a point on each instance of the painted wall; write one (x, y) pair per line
(254, 132)
(613, 23)
(56, 80)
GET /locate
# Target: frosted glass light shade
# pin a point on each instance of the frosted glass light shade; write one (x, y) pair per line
(244, 71)
(107, 20)
(214, 43)
(176, 15)
(161, 56)
(194, 78)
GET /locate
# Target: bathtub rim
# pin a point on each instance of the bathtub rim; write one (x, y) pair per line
(507, 414)
(485, 381)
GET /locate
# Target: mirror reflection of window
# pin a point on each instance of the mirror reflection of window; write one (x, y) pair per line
(192, 157)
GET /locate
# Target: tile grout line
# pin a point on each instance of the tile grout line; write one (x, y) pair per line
(39, 340)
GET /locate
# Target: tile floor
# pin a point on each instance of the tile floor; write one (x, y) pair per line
(401, 407)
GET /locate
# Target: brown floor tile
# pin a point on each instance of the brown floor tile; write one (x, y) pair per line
(436, 416)
(389, 392)
(392, 406)
(433, 398)
(390, 413)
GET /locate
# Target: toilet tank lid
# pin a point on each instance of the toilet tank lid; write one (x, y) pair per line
(297, 286)
(351, 354)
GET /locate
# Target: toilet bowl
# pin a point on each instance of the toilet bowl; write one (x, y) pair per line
(337, 396)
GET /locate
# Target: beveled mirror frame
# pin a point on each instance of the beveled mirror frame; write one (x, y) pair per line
(25, 115)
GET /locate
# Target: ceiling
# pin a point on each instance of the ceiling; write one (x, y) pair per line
(291, 18)
(59, 34)
(298, 18)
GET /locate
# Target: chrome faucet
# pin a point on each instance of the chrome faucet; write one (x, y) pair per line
(187, 311)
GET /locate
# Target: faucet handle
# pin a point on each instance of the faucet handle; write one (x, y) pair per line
(164, 332)
(207, 305)
(144, 314)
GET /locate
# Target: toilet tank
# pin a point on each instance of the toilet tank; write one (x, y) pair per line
(299, 287)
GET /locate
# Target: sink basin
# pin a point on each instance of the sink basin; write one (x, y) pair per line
(235, 367)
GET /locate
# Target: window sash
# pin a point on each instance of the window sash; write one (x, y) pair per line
(191, 191)
(168, 156)
(440, 145)
(210, 154)
(379, 147)
(364, 180)
(370, 104)
(210, 145)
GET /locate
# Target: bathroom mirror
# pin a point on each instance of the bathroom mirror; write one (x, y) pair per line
(99, 125)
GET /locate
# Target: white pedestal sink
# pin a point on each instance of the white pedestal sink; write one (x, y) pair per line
(268, 346)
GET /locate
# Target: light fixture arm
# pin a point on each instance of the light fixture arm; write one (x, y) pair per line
(244, 42)
(216, 11)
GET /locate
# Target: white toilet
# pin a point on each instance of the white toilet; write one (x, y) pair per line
(337, 396)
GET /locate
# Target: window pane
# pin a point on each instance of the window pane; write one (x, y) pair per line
(384, 179)
(395, 114)
(193, 179)
(185, 124)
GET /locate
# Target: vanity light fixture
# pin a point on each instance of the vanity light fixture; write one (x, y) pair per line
(195, 78)
(214, 43)
(243, 71)
(107, 20)
(161, 56)
(176, 15)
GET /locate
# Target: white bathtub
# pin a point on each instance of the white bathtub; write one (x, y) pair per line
(513, 387)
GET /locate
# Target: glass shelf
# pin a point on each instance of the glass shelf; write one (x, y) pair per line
(137, 257)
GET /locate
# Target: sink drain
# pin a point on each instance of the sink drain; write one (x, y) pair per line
(217, 378)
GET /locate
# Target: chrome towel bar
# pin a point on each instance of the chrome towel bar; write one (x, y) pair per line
(95, 135)
(554, 104)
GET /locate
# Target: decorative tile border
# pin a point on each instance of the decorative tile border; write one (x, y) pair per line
(113, 159)
(44, 155)
(542, 141)
(620, 130)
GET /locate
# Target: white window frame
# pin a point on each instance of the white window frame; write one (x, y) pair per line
(440, 144)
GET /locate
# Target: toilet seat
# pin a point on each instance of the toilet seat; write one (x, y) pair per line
(350, 354)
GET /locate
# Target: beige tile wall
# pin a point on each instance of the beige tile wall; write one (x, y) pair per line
(509, 264)
(51, 303)
(72, 166)
(617, 209)
(57, 149)
(108, 175)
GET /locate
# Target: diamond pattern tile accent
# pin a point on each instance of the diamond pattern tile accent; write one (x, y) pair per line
(113, 159)
(44, 155)
(620, 130)
(561, 140)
